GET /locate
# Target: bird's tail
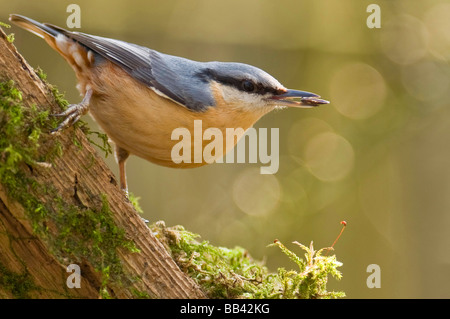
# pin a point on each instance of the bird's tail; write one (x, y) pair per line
(43, 30)
(59, 39)
(40, 29)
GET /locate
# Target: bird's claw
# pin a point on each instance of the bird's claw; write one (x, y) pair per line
(73, 113)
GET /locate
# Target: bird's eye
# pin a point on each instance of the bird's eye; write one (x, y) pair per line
(248, 86)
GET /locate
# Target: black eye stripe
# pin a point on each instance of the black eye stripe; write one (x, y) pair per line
(258, 88)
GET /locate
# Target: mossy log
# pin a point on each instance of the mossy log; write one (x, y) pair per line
(60, 205)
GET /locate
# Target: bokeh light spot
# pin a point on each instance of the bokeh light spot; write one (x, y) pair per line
(255, 193)
(404, 39)
(425, 80)
(302, 131)
(329, 157)
(437, 21)
(357, 91)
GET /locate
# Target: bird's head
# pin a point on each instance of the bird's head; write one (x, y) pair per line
(253, 89)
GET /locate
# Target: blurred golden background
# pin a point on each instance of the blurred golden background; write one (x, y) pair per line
(377, 156)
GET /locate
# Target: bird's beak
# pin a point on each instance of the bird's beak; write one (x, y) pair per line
(296, 98)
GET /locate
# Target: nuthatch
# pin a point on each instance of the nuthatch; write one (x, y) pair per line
(139, 96)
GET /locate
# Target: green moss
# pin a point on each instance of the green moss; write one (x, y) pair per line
(312, 276)
(59, 97)
(18, 142)
(135, 202)
(9, 37)
(18, 284)
(78, 233)
(140, 294)
(233, 273)
(92, 235)
(98, 139)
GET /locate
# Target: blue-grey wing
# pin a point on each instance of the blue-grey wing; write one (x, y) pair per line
(174, 77)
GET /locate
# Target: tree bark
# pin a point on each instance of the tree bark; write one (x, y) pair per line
(81, 178)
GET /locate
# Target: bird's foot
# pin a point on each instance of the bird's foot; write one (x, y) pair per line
(73, 112)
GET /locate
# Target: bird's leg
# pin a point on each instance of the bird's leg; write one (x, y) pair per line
(121, 156)
(74, 112)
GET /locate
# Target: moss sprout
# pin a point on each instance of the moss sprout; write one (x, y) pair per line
(310, 280)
